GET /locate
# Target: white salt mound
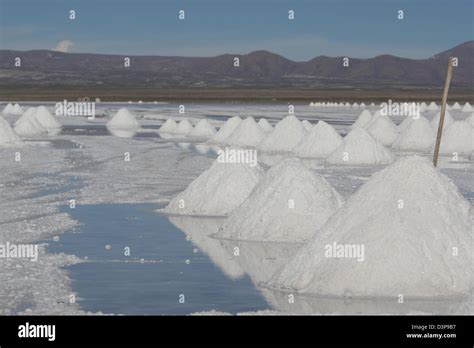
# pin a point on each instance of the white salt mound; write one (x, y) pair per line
(432, 107)
(202, 129)
(46, 119)
(470, 119)
(7, 109)
(7, 136)
(288, 205)
(467, 108)
(226, 130)
(407, 250)
(28, 125)
(123, 119)
(307, 125)
(359, 147)
(168, 127)
(322, 140)
(456, 106)
(383, 130)
(16, 110)
(417, 136)
(364, 118)
(458, 137)
(286, 135)
(265, 125)
(183, 128)
(248, 133)
(217, 191)
(448, 120)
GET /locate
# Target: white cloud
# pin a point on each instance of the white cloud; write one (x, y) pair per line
(64, 46)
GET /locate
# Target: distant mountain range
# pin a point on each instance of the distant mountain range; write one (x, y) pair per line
(41, 68)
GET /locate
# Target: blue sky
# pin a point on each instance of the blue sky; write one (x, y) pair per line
(355, 28)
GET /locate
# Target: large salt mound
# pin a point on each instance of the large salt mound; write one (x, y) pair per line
(458, 137)
(47, 120)
(384, 130)
(168, 127)
(359, 147)
(286, 135)
(307, 125)
(417, 136)
(421, 249)
(265, 125)
(226, 130)
(467, 108)
(319, 142)
(364, 118)
(248, 133)
(28, 125)
(448, 120)
(123, 119)
(7, 136)
(217, 191)
(202, 129)
(289, 205)
(183, 128)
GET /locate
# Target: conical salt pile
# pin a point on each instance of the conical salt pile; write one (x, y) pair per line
(247, 134)
(407, 231)
(383, 130)
(432, 107)
(364, 118)
(286, 135)
(202, 129)
(456, 106)
(467, 108)
(7, 110)
(217, 191)
(123, 119)
(322, 140)
(417, 136)
(265, 125)
(448, 120)
(46, 119)
(289, 204)
(226, 130)
(458, 138)
(307, 125)
(359, 147)
(28, 125)
(16, 110)
(183, 128)
(7, 136)
(168, 127)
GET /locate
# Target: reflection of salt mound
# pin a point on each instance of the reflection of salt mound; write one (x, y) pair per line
(217, 191)
(286, 135)
(265, 125)
(459, 138)
(358, 147)
(226, 130)
(7, 136)
(363, 120)
(417, 136)
(47, 120)
(307, 125)
(383, 129)
(319, 142)
(28, 126)
(467, 108)
(123, 119)
(290, 204)
(183, 128)
(419, 249)
(202, 129)
(168, 127)
(248, 133)
(448, 120)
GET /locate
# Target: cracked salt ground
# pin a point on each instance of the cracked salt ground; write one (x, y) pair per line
(161, 266)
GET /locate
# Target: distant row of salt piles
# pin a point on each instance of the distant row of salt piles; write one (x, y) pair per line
(423, 106)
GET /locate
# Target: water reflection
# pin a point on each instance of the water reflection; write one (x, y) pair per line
(122, 133)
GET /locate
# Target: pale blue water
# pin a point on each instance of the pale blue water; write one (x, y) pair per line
(110, 283)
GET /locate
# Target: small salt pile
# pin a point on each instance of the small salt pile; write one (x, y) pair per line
(169, 127)
(406, 231)
(448, 120)
(383, 130)
(307, 125)
(7, 109)
(364, 118)
(202, 129)
(470, 119)
(47, 120)
(458, 138)
(359, 147)
(417, 136)
(322, 140)
(28, 125)
(456, 106)
(16, 110)
(432, 107)
(226, 130)
(265, 125)
(289, 204)
(467, 108)
(183, 128)
(217, 191)
(247, 134)
(7, 136)
(123, 119)
(286, 135)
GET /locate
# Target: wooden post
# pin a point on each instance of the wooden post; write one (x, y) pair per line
(449, 74)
